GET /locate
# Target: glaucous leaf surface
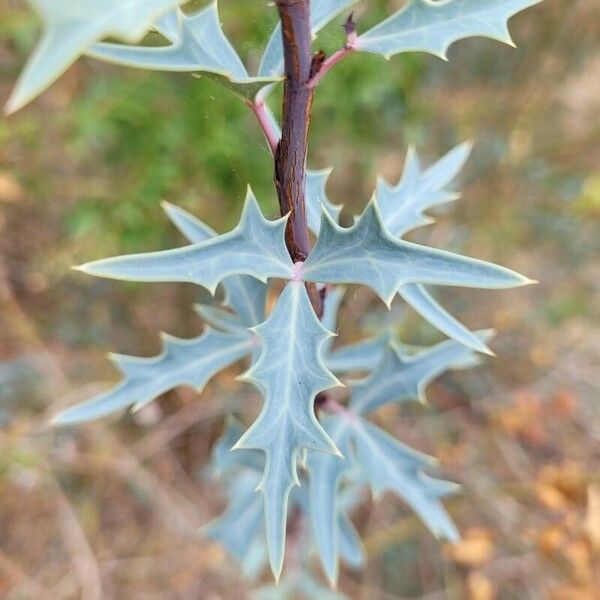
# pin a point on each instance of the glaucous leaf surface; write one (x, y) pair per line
(322, 12)
(401, 377)
(432, 311)
(244, 294)
(386, 465)
(427, 26)
(317, 200)
(224, 462)
(368, 254)
(242, 521)
(198, 44)
(325, 476)
(70, 27)
(361, 356)
(182, 362)
(389, 465)
(255, 247)
(402, 209)
(402, 205)
(290, 372)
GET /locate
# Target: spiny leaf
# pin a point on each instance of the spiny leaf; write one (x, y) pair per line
(390, 465)
(368, 254)
(198, 44)
(402, 377)
(361, 356)
(70, 28)
(255, 247)
(402, 209)
(385, 464)
(244, 294)
(182, 362)
(402, 205)
(426, 26)
(321, 13)
(290, 372)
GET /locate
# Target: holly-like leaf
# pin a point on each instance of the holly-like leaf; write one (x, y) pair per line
(255, 247)
(403, 377)
(317, 200)
(402, 205)
(182, 362)
(390, 465)
(70, 28)
(402, 209)
(368, 254)
(244, 294)
(198, 45)
(426, 26)
(385, 464)
(322, 12)
(290, 372)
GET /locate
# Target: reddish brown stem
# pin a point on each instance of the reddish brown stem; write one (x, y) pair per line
(290, 158)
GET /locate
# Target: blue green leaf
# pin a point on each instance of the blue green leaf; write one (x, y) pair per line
(402, 205)
(70, 28)
(290, 372)
(403, 377)
(198, 45)
(317, 201)
(361, 356)
(242, 522)
(255, 247)
(182, 362)
(427, 26)
(390, 465)
(244, 294)
(368, 254)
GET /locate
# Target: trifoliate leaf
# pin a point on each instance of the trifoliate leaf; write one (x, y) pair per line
(317, 201)
(426, 26)
(244, 294)
(70, 28)
(182, 362)
(403, 377)
(290, 372)
(321, 13)
(255, 247)
(242, 521)
(402, 205)
(368, 254)
(390, 465)
(198, 45)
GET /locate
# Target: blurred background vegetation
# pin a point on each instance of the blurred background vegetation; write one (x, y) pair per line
(110, 510)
